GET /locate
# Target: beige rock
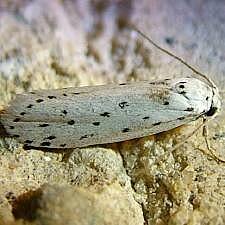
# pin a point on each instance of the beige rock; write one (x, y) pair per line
(78, 206)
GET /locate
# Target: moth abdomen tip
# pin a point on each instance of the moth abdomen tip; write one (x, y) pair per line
(3, 132)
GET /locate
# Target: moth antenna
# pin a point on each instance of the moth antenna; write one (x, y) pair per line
(174, 56)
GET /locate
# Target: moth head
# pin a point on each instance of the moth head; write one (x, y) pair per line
(215, 103)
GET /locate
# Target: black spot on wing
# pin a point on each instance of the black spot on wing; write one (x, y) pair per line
(64, 94)
(163, 82)
(16, 120)
(30, 106)
(166, 103)
(181, 118)
(96, 123)
(145, 118)
(51, 96)
(22, 113)
(181, 89)
(83, 137)
(64, 112)
(39, 100)
(156, 124)
(125, 130)
(51, 137)
(122, 84)
(189, 109)
(63, 145)
(45, 143)
(86, 136)
(44, 125)
(105, 114)
(11, 127)
(181, 86)
(71, 122)
(123, 104)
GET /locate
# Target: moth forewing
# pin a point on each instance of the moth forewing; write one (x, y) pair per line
(77, 117)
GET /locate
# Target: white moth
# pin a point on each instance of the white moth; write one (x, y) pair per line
(83, 116)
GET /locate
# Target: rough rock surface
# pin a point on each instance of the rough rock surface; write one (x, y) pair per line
(54, 44)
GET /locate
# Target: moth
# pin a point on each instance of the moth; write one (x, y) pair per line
(82, 116)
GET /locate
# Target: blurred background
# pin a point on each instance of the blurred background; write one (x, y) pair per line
(59, 43)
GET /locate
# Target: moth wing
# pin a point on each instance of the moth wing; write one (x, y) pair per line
(77, 117)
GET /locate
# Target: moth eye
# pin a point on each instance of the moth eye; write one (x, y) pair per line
(212, 111)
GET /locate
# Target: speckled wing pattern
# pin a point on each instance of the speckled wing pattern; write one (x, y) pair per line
(83, 116)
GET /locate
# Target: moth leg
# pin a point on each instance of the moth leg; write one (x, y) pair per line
(66, 155)
(210, 149)
(186, 138)
(205, 135)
